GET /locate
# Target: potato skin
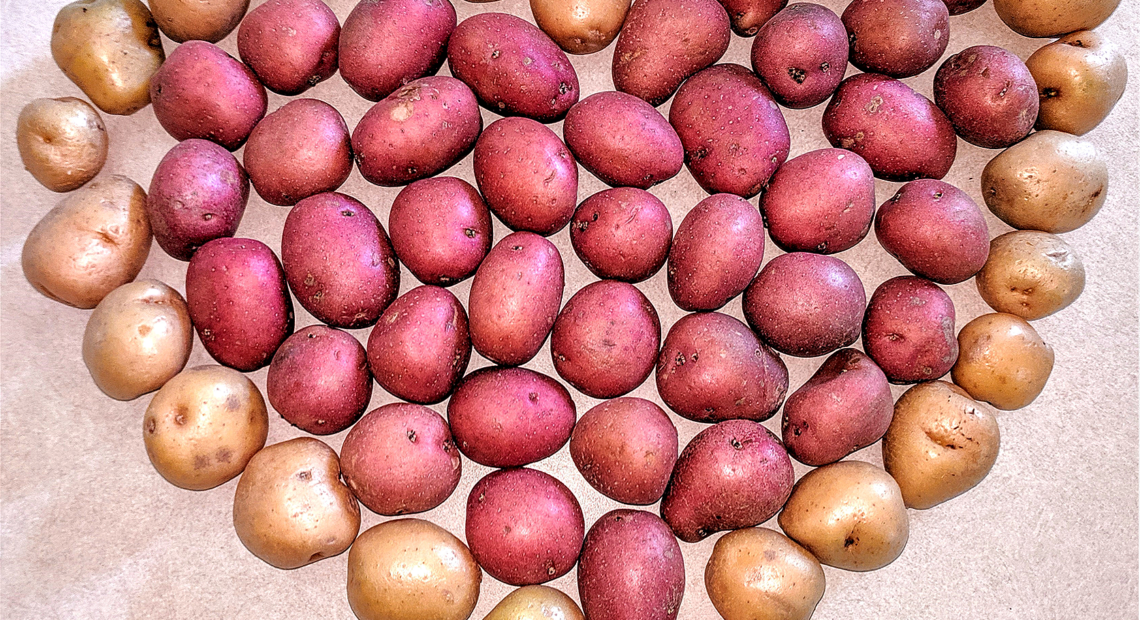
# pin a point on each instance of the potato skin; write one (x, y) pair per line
(536, 603)
(897, 38)
(1051, 18)
(183, 20)
(290, 65)
(631, 568)
(625, 448)
(440, 229)
(299, 150)
(958, 7)
(1003, 361)
(580, 26)
(62, 142)
(716, 252)
(738, 583)
(800, 54)
(623, 233)
(988, 94)
(1079, 78)
(748, 16)
(93, 241)
(319, 380)
(908, 330)
(1031, 274)
(623, 140)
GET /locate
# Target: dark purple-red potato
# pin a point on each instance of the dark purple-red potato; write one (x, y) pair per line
(623, 140)
(400, 459)
(748, 16)
(625, 448)
(507, 417)
(299, 150)
(801, 54)
(338, 260)
(989, 96)
(440, 229)
(901, 134)
(935, 230)
(319, 380)
(419, 349)
(731, 475)
(909, 330)
(822, 201)
(527, 175)
(524, 527)
(898, 38)
(716, 252)
(712, 368)
(957, 7)
(291, 45)
(203, 92)
(238, 301)
(622, 233)
(387, 43)
(198, 193)
(513, 67)
(845, 406)
(631, 568)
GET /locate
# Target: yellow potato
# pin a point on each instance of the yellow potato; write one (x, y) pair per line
(1002, 360)
(1080, 77)
(1050, 18)
(759, 574)
(1031, 274)
(62, 142)
(206, 20)
(580, 26)
(536, 603)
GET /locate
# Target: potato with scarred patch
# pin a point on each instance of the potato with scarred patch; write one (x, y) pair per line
(1031, 274)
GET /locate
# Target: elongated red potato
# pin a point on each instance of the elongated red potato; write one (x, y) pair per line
(623, 140)
(716, 252)
(631, 568)
(385, 44)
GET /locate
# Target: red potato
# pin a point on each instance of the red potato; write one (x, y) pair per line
(909, 330)
(625, 448)
(717, 250)
(958, 7)
(622, 233)
(631, 568)
(989, 96)
(290, 45)
(299, 150)
(239, 303)
(387, 43)
(623, 140)
(748, 16)
(319, 380)
(898, 38)
(440, 229)
(801, 54)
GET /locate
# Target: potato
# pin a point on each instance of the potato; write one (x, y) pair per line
(733, 132)
(203, 426)
(524, 527)
(515, 298)
(305, 56)
(536, 603)
(338, 260)
(198, 193)
(507, 417)
(299, 150)
(183, 20)
(605, 339)
(440, 229)
(580, 26)
(319, 380)
(908, 330)
(759, 574)
(623, 140)
(631, 568)
(416, 132)
(1051, 18)
(400, 459)
(387, 43)
(822, 201)
(625, 448)
(623, 233)
(713, 368)
(897, 38)
(291, 509)
(663, 42)
(733, 474)
(203, 92)
(941, 443)
(513, 67)
(716, 252)
(1031, 274)
(849, 515)
(900, 133)
(409, 569)
(92, 242)
(239, 302)
(110, 49)
(988, 94)
(1050, 181)
(800, 54)
(62, 142)
(748, 16)
(1003, 361)
(1079, 77)
(137, 338)
(527, 175)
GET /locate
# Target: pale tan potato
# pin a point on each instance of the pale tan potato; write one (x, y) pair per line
(849, 514)
(291, 508)
(580, 26)
(536, 603)
(1050, 18)
(1080, 77)
(203, 426)
(137, 338)
(1051, 181)
(1002, 360)
(94, 241)
(110, 49)
(760, 574)
(941, 443)
(206, 20)
(411, 569)
(62, 142)
(1031, 274)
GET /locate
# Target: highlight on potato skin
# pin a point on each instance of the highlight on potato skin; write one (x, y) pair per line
(62, 142)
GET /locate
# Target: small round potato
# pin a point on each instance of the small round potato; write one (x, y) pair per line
(137, 338)
(1002, 361)
(62, 142)
(1031, 274)
(580, 26)
(209, 20)
(759, 574)
(536, 603)
(203, 426)
(1079, 78)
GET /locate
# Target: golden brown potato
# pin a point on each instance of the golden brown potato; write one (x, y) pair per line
(941, 443)
(411, 569)
(1031, 274)
(291, 508)
(1050, 181)
(580, 26)
(849, 514)
(1050, 18)
(137, 338)
(1002, 360)
(203, 426)
(92, 242)
(110, 49)
(1080, 77)
(759, 574)
(536, 603)
(62, 142)
(207, 20)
